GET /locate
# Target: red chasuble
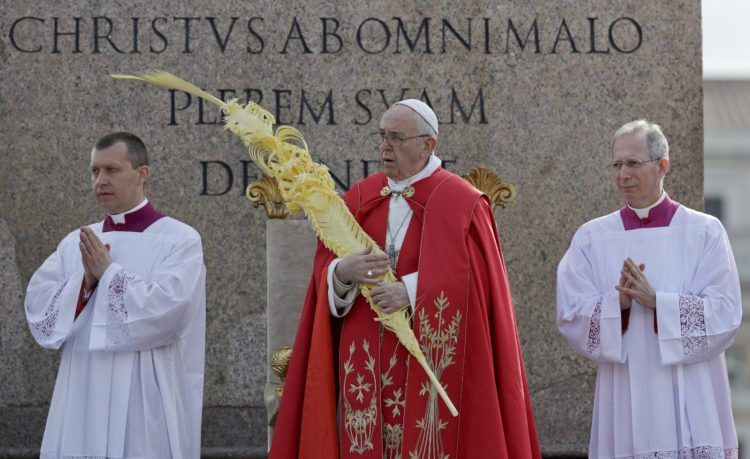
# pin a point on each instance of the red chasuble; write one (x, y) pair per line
(353, 391)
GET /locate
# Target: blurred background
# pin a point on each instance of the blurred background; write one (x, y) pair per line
(726, 118)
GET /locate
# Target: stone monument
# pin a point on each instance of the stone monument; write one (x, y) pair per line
(531, 89)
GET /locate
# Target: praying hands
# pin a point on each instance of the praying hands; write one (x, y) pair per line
(95, 257)
(635, 286)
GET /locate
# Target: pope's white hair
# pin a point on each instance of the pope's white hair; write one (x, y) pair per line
(656, 144)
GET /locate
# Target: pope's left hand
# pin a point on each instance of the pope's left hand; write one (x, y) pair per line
(390, 297)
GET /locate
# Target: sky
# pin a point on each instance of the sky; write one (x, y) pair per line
(726, 39)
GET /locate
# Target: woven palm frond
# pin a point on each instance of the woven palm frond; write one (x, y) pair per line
(307, 186)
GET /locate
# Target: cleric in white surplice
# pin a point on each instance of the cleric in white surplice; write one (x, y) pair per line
(125, 300)
(651, 293)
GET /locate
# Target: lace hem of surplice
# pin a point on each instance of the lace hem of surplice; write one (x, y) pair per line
(698, 452)
(57, 456)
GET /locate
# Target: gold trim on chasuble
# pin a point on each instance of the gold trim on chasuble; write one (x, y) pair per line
(438, 338)
(395, 402)
(360, 424)
(438, 344)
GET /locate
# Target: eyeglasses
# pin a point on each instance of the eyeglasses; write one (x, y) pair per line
(617, 165)
(392, 139)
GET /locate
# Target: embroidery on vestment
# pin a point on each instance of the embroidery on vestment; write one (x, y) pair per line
(395, 401)
(43, 329)
(693, 325)
(593, 346)
(439, 347)
(359, 425)
(117, 311)
(393, 435)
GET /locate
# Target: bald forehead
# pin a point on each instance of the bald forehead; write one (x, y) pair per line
(399, 118)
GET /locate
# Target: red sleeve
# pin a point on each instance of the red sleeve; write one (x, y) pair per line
(82, 302)
(625, 318)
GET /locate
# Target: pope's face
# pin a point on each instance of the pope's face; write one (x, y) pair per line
(117, 186)
(403, 161)
(639, 186)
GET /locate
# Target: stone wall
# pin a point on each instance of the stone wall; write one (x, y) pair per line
(531, 89)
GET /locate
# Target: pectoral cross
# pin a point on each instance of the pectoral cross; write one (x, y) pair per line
(392, 255)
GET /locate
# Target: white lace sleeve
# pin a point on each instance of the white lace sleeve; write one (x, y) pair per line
(594, 342)
(50, 303)
(135, 313)
(588, 316)
(42, 329)
(685, 328)
(692, 325)
(117, 311)
(703, 320)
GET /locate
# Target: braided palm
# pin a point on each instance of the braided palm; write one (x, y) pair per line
(307, 186)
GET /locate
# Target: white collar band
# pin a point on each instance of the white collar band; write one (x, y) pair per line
(432, 165)
(120, 218)
(643, 213)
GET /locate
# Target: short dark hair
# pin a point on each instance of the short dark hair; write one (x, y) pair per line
(137, 152)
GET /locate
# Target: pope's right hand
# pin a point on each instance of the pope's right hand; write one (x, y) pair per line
(362, 267)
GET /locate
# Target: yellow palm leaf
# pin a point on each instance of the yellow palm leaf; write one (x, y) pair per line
(307, 186)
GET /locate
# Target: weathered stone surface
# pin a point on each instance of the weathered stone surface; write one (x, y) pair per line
(286, 240)
(552, 93)
(27, 372)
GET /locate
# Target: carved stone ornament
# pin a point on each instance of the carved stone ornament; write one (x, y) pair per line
(279, 364)
(266, 192)
(488, 182)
